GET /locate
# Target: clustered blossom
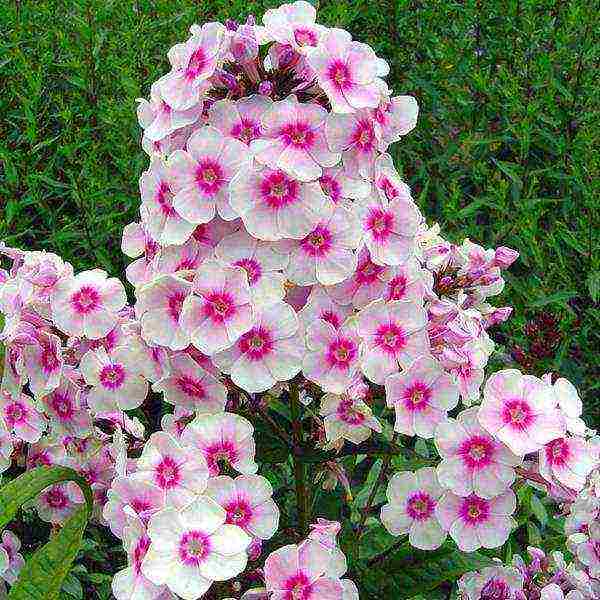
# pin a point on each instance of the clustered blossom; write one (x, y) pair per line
(279, 251)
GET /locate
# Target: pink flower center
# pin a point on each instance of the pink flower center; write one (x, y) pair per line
(16, 413)
(474, 510)
(252, 268)
(368, 272)
(299, 135)
(191, 387)
(390, 337)
(416, 396)
(174, 304)
(517, 414)
(139, 552)
(256, 343)
(297, 587)
(318, 242)
(380, 224)
(420, 505)
(341, 353)
(220, 454)
(558, 452)
(163, 198)
(331, 187)
(167, 473)
(339, 74)
(388, 187)
(209, 176)
(396, 288)
(112, 376)
(305, 37)
(56, 498)
(194, 547)
(142, 508)
(278, 190)
(476, 452)
(219, 306)
(62, 405)
(196, 65)
(495, 589)
(85, 300)
(347, 413)
(164, 108)
(246, 130)
(364, 136)
(331, 317)
(49, 360)
(239, 512)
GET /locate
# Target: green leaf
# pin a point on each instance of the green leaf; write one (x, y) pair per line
(43, 575)
(539, 510)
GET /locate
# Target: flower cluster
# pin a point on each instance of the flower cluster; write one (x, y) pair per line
(280, 257)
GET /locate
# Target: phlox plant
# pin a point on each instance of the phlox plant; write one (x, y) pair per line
(296, 392)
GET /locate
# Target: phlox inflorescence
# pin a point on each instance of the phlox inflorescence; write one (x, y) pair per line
(280, 261)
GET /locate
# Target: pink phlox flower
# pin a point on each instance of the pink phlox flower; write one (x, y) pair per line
(65, 409)
(174, 423)
(293, 24)
(137, 243)
(180, 260)
(569, 404)
(506, 581)
(11, 560)
(21, 416)
(43, 362)
(58, 502)
(242, 119)
(320, 305)
(408, 282)
(346, 418)
(340, 185)
(46, 453)
(396, 117)
(164, 146)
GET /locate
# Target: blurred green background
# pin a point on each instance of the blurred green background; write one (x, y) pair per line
(505, 152)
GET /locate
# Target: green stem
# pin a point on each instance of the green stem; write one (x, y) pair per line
(302, 493)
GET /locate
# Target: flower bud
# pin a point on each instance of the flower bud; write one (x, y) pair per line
(504, 257)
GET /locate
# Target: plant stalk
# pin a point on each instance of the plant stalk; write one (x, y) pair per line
(302, 492)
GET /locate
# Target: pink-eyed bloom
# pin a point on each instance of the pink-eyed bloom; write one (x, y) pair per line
(11, 560)
(347, 418)
(189, 386)
(294, 141)
(219, 311)
(65, 409)
(299, 571)
(588, 552)
(137, 243)
(158, 307)
(394, 336)
(475, 522)
(320, 305)
(223, 439)
(130, 499)
(163, 223)
(247, 499)
(326, 255)
(21, 417)
(339, 185)
(175, 469)
(58, 502)
(520, 411)
(201, 174)
(569, 461)
(504, 581)
(293, 24)
(412, 500)
(192, 63)
(409, 282)
(333, 355)
(570, 405)
(396, 117)
(262, 262)
(43, 362)
(421, 397)
(273, 205)
(116, 381)
(473, 462)
(192, 547)
(179, 260)
(347, 71)
(241, 119)
(87, 304)
(355, 138)
(159, 119)
(269, 352)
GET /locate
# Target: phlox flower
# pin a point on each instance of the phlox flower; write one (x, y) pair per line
(473, 462)
(189, 386)
(347, 71)
(192, 63)
(219, 311)
(200, 175)
(293, 140)
(262, 262)
(396, 117)
(58, 502)
(225, 440)
(503, 580)
(137, 243)
(299, 571)
(333, 355)
(87, 304)
(65, 409)
(115, 379)
(421, 396)
(179, 260)
(175, 422)
(269, 352)
(43, 362)
(408, 282)
(570, 405)
(173, 468)
(520, 411)
(21, 417)
(394, 336)
(320, 305)
(11, 560)
(131, 498)
(340, 185)
(248, 502)
(192, 547)
(293, 24)
(159, 119)
(587, 552)
(130, 583)
(47, 452)
(163, 222)
(388, 182)
(158, 307)
(568, 460)
(412, 500)
(326, 255)
(475, 522)
(273, 205)
(354, 136)
(347, 418)
(241, 119)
